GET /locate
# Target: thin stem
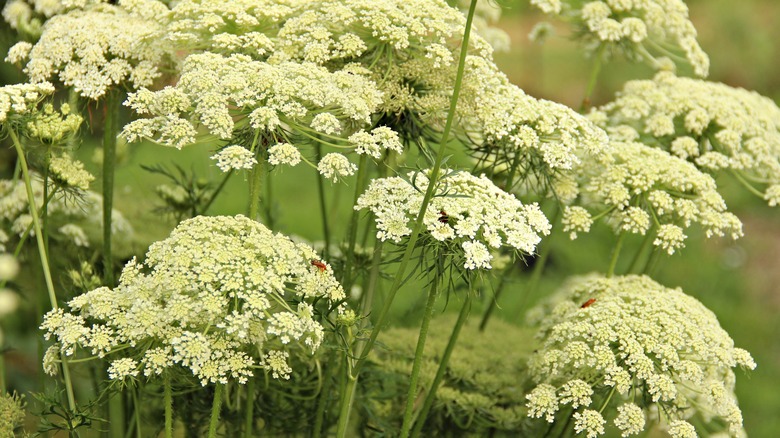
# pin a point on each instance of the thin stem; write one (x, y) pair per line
(445, 359)
(645, 244)
(322, 403)
(594, 76)
(217, 191)
(168, 402)
(44, 259)
(323, 207)
(216, 406)
(418, 358)
(346, 279)
(615, 254)
(494, 301)
(432, 178)
(541, 263)
(110, 131)
(136, 412)
(249, 419)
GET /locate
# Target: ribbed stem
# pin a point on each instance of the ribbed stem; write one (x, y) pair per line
(44, 258)
(346, 279)
(445, 359)
(168, 402)
(216, 406)
(249, 418)
(411, 396)
(255, 183)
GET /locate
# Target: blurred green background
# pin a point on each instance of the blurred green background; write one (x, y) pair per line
(739, 281)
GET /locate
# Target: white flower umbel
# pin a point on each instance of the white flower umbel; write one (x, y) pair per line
(643, 188)
(97, 48)
(640, 346)
(637, 28)
(717, 127)
(470, 211)
(334, 166)
(234, 158)
(539, 138)
(69, 172)
(236, 92)
(220, 297)
(284, 153)
(18, 101)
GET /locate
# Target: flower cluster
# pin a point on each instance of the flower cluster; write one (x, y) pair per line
(717, 127)
(538, 137)
(633, 345)
(642, 188)
(468, 210)
(482, 389)
(21, 99)
(220, 296)
(234, 158)
(52, 126)
(638, 28)
(94, 49)
(78, 220)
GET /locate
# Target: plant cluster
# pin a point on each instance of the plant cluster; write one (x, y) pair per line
(233, 325)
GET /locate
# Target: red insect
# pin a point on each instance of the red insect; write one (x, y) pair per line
(588, 303)
(443, 217)
(320, 265)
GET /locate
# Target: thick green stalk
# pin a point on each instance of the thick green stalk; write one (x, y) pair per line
(44, 259)
(216, 406)
(249, 419)
(445, 359)
(136, 413)
(411, 396)
(110, 131)
(168, 402)
(362, 176)
(432, 178)
(255, 181)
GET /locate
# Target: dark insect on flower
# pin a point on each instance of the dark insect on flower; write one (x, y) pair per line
(443, 217)
(320, 265)
(588, 303)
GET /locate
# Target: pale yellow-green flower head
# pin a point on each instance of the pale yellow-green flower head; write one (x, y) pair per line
(221, 297)
(628, 345)
(717, 127)
(644, 30)
(467, 210)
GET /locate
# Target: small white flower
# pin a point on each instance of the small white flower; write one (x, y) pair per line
(589, 421)
(234, 158)
(334, 166)
(630, 419)
(120, 369)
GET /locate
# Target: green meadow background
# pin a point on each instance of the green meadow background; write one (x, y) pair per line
(738, 280)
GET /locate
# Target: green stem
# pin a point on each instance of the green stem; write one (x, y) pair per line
(216, 406)
(217, 191)
(348, 388)
(464, 312)
(594, 76)
(323, 207)
(110, 131)
(541, 263)
(322, 402)
(645, 244)
(362, 176)
(44, 259)
(136, 412)
(433, 178)
(494, 301)
(255, 181)
(168, 402)
(418, 358)
(249, 419)
(615, 254)
(269, 216)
